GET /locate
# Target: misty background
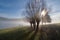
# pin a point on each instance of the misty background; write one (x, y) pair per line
(11, 12)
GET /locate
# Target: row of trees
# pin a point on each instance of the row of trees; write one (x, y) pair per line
(36, 12)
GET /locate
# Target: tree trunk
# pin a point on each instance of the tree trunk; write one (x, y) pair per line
(34, 25)
(37, 26)
(42, 21)
(31, 25)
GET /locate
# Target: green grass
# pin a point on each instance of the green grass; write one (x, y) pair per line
(48, 32)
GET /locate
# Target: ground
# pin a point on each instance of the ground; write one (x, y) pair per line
(48, 32)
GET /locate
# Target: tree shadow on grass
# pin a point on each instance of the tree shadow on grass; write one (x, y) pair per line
(43, 35)
(24, 35)
(33, 36)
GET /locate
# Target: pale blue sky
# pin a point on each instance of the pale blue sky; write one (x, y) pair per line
(15, 8)
(12, 8)
(55, 10)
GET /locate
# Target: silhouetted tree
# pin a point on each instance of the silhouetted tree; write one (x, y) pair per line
(45, 17)
(32, 11)
(44, 12)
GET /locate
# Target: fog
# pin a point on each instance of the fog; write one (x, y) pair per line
(9, 24)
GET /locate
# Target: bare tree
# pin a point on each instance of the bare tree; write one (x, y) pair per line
(45, 17)
(32, 11)
(44, 12)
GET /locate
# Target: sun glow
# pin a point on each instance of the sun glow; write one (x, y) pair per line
(43, 13)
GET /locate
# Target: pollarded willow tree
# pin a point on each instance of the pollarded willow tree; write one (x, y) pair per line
(45, 17)
(32, 11)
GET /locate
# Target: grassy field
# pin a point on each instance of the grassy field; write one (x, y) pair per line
(48, 32)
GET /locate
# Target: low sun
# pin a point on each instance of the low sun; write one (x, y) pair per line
(43, 13)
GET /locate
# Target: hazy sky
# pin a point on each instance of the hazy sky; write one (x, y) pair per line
(15, 8)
